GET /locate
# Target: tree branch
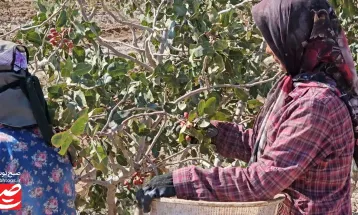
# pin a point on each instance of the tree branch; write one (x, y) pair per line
(148, 52)
(103, 43)
(93, 12)
(122, 43)
(144, 28)
(113, 110)
(120, 127)
(155, 138)
(120, 54)
(234, 6)
(190, 159)
(111, 200)
(80, 178)
(157, 13)
(198, 91)
(177, 154)
(162, 46)
(94, 181)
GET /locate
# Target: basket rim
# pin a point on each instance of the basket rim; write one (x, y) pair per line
(276, 200)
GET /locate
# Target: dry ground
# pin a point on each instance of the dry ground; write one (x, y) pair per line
(17, 12)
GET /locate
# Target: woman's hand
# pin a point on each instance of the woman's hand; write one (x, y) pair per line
(159, 186)
(209, 131)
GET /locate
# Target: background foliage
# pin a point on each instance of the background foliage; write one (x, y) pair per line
(122, 109)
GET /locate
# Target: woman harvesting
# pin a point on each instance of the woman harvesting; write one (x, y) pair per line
(302, 143)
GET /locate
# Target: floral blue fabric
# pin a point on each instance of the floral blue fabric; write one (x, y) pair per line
(46, 178)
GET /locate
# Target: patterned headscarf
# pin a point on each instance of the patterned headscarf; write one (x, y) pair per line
(305, 35)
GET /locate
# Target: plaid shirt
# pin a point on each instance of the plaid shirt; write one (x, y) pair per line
(308, 156)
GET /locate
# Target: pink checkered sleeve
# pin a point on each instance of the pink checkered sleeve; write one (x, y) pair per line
(301, 138)
(233, 141)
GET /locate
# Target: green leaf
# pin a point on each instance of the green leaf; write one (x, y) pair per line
(180, 10)
(62, 138)
(198, 51)
(204, 123)
(56, 91)
(220, 116)
(171, 32)
(64, 148)
(201, 107)
(182, 105)
(79, 53)
(79, 125)
(97, 111)
(220, 45)
(68, 115)
(121, 160)
(241, 94)
(82, 68)
(62, 19)
(254, 104)
(101, 153)
(66, 68)
(210, 106)
(192, 115)
(41, 7)
(203, 49)
(219, 61)
(169, 66)
(102, 165)
(81, 29)
(181, 138)
(143, 130)
(34, 37)
(75, 142)
(117, 69)
(204, 149)
(80, 98)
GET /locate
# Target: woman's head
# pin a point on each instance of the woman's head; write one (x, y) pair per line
(270, 52)
(286, 25)
(303, 34)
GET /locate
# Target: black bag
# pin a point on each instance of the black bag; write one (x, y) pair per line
(31, 88)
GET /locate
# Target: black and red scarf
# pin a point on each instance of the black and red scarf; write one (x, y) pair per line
(307, 38)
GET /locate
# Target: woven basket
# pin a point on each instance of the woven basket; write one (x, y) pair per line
(173, 206)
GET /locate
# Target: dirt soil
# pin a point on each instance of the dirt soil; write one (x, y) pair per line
(14, 13)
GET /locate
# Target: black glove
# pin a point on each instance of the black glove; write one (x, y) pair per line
(159, 186)
(209, 132)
